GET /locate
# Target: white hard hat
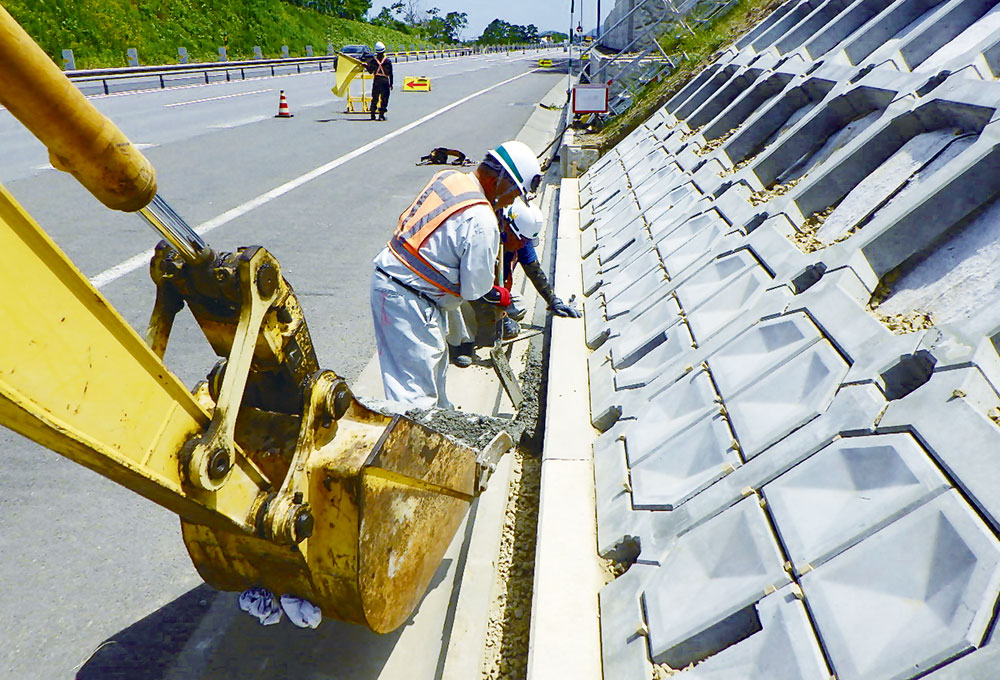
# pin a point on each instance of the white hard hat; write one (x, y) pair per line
(525, 220)
(520, 163)
(380, 47)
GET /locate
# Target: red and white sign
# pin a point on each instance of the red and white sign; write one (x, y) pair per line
(590, 99)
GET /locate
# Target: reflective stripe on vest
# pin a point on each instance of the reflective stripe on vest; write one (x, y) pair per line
(381, 69)
(448, 193)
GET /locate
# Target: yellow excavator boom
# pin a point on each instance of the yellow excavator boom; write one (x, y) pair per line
(280, 476)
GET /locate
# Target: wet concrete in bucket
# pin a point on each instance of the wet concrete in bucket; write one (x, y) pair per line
(506, 646)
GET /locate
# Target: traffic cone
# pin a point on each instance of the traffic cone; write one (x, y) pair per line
(283, 111)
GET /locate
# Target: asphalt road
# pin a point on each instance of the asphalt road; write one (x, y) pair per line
(97, 581)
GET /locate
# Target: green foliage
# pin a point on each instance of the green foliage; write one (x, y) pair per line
(445, 29)
(501, 33)
(100, 31)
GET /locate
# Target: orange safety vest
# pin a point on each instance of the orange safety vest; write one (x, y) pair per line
(381, 69)
(448, 193)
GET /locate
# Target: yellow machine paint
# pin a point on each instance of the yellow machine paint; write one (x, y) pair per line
(349, 68)
(416, 84)
(280, 476)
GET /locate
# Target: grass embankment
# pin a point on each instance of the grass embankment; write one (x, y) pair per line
(100, 31)
(702, 47)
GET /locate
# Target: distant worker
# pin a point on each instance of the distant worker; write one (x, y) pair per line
(443, 251)
(520, 225)
(380, 66)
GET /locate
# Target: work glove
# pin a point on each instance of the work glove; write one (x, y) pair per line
(560, 308)
(498, 295)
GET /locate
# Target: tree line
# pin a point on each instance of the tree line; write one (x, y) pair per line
(432, 25)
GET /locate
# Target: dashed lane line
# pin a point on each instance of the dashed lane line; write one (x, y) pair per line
(142, 259)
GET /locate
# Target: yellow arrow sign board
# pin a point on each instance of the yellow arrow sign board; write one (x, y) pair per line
(545, 62)
(416, 84)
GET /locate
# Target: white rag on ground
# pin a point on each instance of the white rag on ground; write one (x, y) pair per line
(261, 603)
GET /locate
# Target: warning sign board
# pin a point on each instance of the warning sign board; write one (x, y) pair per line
(416, 84)
(590, 99)
(545, 62)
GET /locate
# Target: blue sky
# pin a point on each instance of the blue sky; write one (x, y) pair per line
(547, 15)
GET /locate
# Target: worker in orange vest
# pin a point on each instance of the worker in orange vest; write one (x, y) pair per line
(443, 251)
(380, 66)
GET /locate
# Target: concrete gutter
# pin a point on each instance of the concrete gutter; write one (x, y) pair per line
(565, 622)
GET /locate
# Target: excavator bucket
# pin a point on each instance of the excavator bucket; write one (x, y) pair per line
(387, 496)
(280, 476)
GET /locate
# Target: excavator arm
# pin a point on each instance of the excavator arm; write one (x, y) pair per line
(280, 476)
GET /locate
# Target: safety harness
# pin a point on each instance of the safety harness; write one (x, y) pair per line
(448, 193)
(381, 70)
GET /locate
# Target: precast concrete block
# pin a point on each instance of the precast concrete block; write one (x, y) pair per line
(881, 184)
(711, 278)
(825, 129)
(790, 396)
(708, 177)
(687, 158)
(635, 335)
(847, 491)
(623, 219)
(744, 106)
(956, 401)
(846, 23)
(852, 413)
(650, 285)
(785, 24)
(698, 250)
(785, 647)
(586, 215)
(760, 129)
(595, 325)
(858, 159)
(683, 465)
(701, 599)
(668, 240)
(951, 195)
(836, 305)
(588, 242)
(760, 349)
(888, 27)
(822, 16)
(774, 17)
(605, 406)
(667, 411)
(771, 244)
(738, 85)
(626, 273)
(658, 185)
(733, 298)
(734, 205)
(692, 86)
(624, 652)
(979, 664)
(606, 198)
(717, 81)
(911, 596)
(591, 275)
(658, 361)
(961, 25)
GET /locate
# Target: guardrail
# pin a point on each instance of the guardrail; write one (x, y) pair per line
(167, 75)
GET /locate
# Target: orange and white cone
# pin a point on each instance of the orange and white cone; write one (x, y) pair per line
(283, 111)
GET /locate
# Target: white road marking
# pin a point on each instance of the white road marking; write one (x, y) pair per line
(238, 123)
(212, 99)
(142, 259)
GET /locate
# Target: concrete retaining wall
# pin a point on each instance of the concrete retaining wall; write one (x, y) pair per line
(792, 282)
